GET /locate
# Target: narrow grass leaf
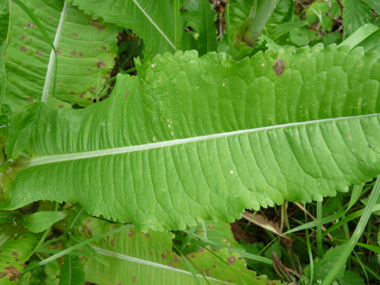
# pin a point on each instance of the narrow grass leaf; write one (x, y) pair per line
(360, 35)
(356, 235)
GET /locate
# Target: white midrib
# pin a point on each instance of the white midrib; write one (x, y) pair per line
(146, 262)
(154, 24)
(50, 69)
(113, 151)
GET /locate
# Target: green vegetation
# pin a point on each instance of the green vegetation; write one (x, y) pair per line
(189, 142)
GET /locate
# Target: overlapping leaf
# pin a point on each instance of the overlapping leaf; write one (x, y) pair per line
(86, 49)
(355, 14)
(15, 248)
(4, 24)
(135, 257)
(153, 21)
(198, 138)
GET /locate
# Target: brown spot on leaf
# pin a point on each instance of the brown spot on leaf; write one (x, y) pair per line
(211, 226)
(15, 253)
(88, 69)
(171, 264)
(94, 89)
(100, 64)
(17, 259)
(72, 93)
(130, 234)
(103, 47)
(133, 279)
(118, 283)
(175, 258)
(167, 251)
(208, 272)
(126, 94)
(3, 274)
(59, 52)
(24, 38)
(61, 106)
(23, 49)
(279, 67)
(112, 243)
(51, 18)
(30, 99)
(82, 95)
(214, 266)
(231, 259)
(73, 53)
(29, 25)
(40, 53)
(147, 235)
(80, 53)
(96, 23)
(104, 240)
(89, 231)
(75, 35)
(163, 256)
(201, 249)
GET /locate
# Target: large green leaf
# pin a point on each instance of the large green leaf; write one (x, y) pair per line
(4, 24)
(17, 249)
(86, 49)
(154, 21)
(356, 13)
(135, 257)
(197, 138)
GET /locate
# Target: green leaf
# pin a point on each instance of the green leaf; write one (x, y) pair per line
(190, 139)
(4, 25)
(356, 13)
(85, 47)
(283, 13)
(201, 14)
(286, 28)
(372, 43)
(219, 233)
(153, 21)
(360, 34)
(36, 223)
(72, 271)
(375, 5)
(14, 252)
(139, 257)
(40, 221)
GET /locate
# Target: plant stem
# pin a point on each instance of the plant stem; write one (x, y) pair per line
(319, 230)
(259, 21)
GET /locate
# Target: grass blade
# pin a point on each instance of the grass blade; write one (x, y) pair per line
(74, 247)
(355, 237)
(360, 35)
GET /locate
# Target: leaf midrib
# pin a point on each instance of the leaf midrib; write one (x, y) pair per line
(149, 263)
(113, 151)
